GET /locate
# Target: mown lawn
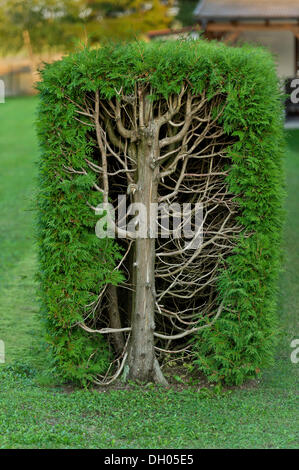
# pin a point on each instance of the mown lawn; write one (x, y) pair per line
(18, 153)
(33, 415)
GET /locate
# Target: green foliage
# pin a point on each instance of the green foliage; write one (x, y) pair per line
(60, 26)
(51, 24)
(186, 12)
(74, 263)
(125, 19)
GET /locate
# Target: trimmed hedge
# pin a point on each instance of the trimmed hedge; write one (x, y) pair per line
(74, 263)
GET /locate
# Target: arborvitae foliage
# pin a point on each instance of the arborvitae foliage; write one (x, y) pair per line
(232, 283)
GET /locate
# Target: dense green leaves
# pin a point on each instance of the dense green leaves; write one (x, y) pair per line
(74, 263)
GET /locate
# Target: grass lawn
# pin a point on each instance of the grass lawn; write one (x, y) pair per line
(33, 415)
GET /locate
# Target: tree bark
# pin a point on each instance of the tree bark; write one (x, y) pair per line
(118, 338)
(142, 363)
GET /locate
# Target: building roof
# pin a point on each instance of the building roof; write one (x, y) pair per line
(247, 9)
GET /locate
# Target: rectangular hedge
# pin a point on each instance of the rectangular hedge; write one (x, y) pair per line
(75, 264)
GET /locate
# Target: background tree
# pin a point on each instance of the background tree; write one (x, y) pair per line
(186, 12)
(59, 25)
(126, 19)
(50, 24)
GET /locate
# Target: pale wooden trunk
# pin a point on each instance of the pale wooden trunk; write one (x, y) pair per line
(141, 360)
(141, 352)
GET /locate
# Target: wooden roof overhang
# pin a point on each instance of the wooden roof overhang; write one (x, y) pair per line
(236, 16)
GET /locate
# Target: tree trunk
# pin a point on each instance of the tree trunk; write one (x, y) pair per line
(141, 359)
(115, 322)
(33, 65)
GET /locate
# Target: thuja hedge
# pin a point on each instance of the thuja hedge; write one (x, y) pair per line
(74, 263)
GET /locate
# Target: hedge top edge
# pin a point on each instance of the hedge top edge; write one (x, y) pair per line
(165, 65)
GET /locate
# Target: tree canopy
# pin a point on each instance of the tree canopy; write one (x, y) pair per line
(56, 24)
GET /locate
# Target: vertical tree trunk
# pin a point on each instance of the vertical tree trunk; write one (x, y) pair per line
(143, 365)
(142, 355)
(115, 322)
(28, 45)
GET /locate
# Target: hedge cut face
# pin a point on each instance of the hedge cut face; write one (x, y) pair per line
(161, 167)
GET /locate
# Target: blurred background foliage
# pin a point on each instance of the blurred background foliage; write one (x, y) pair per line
(60, 25)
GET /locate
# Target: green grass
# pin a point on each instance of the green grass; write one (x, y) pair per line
(35, 416)
(19, 327)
